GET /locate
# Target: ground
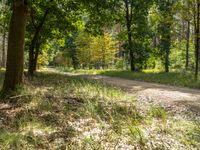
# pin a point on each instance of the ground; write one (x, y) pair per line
(56, 110)
(177, 98)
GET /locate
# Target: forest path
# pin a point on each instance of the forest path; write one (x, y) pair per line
(174, 98)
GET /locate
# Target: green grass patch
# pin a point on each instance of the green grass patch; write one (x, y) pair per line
(181, 79)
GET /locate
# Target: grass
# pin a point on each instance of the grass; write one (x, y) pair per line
(60, 112)
(180, 79)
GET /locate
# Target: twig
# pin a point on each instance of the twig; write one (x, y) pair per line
(18, 96)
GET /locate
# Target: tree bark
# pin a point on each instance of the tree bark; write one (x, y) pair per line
(197, 40)
(167, 39)
(4, 49)
(74, 63)
(166, 45)
(129, 34)
(167, 60)
(187, 45)
(131, 53)
(15, 54)
(32, 54)
(37, 50)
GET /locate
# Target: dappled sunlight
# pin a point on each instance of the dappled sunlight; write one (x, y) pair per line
(58, 111)
(36, 129)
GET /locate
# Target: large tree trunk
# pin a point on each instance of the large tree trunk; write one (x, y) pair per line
(15, 54)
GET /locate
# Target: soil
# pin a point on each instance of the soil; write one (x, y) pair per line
(173, 98)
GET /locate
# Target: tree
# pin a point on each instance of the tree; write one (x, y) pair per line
(37, 21)
(89, 51)
(191, 15)
(14, 67)
(132, 16)
(34, 42)
(84, 51)
(4, 21)
(71, 49)
(187, 37)
(54, 18)
(129, 6)
(165, 25)
(104, 50)
(197, 36)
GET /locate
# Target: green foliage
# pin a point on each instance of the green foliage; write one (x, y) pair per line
(61, 60)
(178, 56)
(119, 64)
(137, 40)
(104, 50)
(84, 51)
(87, 51)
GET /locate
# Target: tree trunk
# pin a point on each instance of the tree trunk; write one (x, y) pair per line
(131, 53)
(0, 59)
(165, 45)
(167, 60)
(37, 50)
(15, 54)
(197, 40)
(31, 59)
(74, 62)
(31, 69)
(128, 26)
(4, 49)
(187, 46)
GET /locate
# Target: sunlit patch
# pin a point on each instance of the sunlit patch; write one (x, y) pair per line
(37, 129)
(34, 103)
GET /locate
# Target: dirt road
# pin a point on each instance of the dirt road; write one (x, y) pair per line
(174, 98)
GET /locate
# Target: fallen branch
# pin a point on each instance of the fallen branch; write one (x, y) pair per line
(18, 96)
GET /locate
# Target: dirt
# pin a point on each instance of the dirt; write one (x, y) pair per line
(173, 98)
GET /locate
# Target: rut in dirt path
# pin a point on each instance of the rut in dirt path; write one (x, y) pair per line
(175, 98)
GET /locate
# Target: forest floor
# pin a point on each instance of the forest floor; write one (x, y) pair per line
(57, 110)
